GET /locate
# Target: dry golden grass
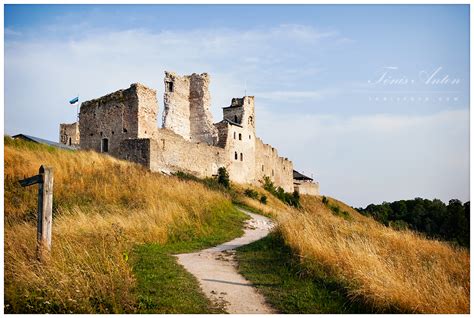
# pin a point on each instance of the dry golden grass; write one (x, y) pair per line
(98, 218)
(386, 268)
(102, 208)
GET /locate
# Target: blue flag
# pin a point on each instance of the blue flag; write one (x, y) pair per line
(74, 100)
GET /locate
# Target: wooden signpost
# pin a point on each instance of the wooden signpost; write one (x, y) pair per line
(45, 208)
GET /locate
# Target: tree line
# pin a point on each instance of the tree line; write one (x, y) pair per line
(434, 218)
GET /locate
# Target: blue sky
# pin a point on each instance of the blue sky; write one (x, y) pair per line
(373, 100)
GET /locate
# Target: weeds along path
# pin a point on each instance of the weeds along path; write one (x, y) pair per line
(215, 269)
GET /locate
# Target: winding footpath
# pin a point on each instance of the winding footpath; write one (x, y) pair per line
(216, 270)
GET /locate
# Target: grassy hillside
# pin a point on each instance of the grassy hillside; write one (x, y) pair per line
(113, 221)
(388, 270)
(117, 225)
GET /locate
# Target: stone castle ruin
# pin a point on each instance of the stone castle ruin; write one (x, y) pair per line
(123, 124)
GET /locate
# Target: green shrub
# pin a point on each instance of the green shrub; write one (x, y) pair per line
(292, 199)
(263, 199)
(325, 200)
(251, 193)
(223, 177)
(337, 211)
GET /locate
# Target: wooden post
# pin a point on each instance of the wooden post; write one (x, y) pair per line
(45, 211)
(45, 208)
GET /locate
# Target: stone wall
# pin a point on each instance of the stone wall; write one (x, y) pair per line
(136, 150)
(307, 187)
(187, 104)
(106, 121)
(69, 134)
(170, 152)
(268, 163)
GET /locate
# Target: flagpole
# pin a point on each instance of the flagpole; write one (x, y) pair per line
(77, 107)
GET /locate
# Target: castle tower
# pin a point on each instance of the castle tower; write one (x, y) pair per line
(69, 134)
(239, 127)
(125, 114)
(241, 112)
(187, 103)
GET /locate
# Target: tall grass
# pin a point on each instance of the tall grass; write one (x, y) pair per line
(386, 268)
(102, 208)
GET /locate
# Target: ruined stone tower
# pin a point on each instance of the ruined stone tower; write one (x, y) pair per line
(125, 114)
(69, 134)
(187, 107)
(123, 124)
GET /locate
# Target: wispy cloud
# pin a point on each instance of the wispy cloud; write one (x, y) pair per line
(294, 96)
(11, 32)
(95, 62)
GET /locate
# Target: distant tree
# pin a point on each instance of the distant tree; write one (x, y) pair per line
(434, 218)
(399, 210)
(459, 222)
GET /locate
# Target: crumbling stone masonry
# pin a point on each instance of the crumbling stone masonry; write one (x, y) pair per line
(123, 124)
(125, 114)
(187, 107)
(69, 134)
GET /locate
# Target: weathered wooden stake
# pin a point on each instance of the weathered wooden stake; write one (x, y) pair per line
(45, 208)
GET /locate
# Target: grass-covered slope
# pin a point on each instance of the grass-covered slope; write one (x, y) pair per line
(388, 270)
(116, 226)
(111, 220)
(288, 286)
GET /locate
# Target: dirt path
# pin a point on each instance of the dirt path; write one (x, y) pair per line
(215, 269)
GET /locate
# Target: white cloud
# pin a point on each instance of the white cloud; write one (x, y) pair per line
(288, 95)
(42, 73)
(11, 32)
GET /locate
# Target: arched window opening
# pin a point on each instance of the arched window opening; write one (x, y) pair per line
(240, 136)
(235, 155)
(235, 135)
(241, 157)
